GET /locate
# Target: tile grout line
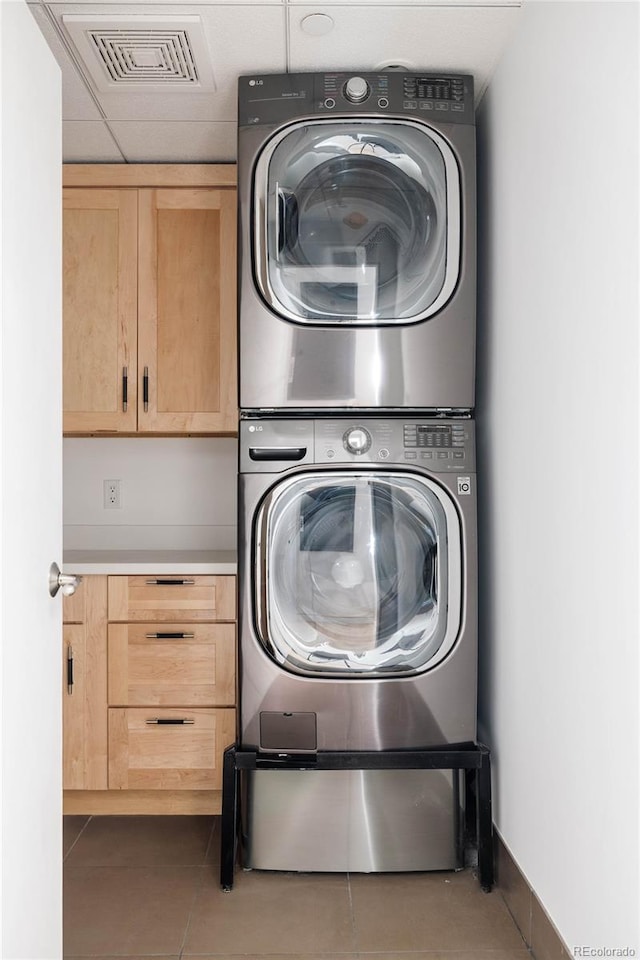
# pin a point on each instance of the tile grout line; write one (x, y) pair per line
(89, 819)
(199, 886)
(353, 917)
(210, 841)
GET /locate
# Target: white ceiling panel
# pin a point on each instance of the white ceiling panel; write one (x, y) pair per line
(88, 141)
(146, 142)
(77, 102)
(455, 38)
(240, 37)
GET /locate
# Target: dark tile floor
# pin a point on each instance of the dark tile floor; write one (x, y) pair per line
(141, 887)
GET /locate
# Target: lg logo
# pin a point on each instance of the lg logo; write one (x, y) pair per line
(256, 83)
(255, 426)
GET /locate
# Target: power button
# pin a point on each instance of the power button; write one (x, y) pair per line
(383, 102)
(329, 103)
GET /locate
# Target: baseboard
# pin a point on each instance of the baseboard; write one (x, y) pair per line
(538, 932)
(167, 802)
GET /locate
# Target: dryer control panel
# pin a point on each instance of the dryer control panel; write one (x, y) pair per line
(431, 97)
(431, 444)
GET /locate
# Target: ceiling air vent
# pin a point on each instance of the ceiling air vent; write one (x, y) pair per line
(143, 53)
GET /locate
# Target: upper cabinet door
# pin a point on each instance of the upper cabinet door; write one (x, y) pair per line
(187, 310)
(99, 311)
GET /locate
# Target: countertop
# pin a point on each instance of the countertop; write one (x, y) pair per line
(132, 562)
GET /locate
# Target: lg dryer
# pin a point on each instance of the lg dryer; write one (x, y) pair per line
(357, 241)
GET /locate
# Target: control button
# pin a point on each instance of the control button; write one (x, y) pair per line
(357, 440)
(458, 455)
(331, 454)
(426, 455)
(427, 105)
(443, 455)
(410, 455)
(442, 106)
(410, 104)
(383, 453)
(458, 107)
(329, 103)
(356, 89)
(383, 102)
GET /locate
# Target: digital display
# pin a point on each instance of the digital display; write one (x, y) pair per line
(427, 435)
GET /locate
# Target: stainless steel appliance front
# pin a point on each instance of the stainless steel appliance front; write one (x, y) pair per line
(357, 242)
(357, 624)
(357, 583)
(352, 820)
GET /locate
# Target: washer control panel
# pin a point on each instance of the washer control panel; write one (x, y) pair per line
(275, 98)
(437, 445)
(433, 444)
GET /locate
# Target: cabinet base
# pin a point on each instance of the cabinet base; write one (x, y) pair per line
(174, 802)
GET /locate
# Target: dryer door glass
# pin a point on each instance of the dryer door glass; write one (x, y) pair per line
(359, 574)
(357, 222)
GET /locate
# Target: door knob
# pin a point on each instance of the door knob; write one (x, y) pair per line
(66, 582)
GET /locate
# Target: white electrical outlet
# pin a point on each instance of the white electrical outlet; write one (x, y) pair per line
(111, 495)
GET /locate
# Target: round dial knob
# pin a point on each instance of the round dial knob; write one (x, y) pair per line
(356, 89)
(357, 440)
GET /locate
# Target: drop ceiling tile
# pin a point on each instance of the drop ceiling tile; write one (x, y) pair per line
(240, 38)
(88, 141)
(452, 37)
(176, 142)
(77, 102)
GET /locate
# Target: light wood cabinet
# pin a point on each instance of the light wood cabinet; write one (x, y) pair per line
(178, 749)
(84, 679)
(154, 683)
(149, 307)
(153, 664)
(171, 598)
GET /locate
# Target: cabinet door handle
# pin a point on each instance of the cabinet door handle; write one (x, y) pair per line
(145, 388)
(69, 669)
(169, 636)
(169, 583)
(169, 721)
(125, 388)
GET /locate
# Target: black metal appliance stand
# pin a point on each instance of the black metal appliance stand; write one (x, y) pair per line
(473, 758)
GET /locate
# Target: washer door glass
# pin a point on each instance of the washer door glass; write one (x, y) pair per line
(357, 222)
(358, 574)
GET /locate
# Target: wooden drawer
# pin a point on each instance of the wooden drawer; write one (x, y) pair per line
(150, 756)
(172, 598)
(150, 666)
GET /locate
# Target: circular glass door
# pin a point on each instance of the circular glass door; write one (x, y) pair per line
(359, 574)
(357, 222)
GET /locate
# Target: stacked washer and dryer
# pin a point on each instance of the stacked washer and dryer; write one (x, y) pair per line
(357, 507)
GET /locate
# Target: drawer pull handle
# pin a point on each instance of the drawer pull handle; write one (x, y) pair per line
(170, 721)
(125, 388)
(169, 583)
(145, 389)
(169, 636)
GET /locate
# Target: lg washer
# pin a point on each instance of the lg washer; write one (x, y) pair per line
(357, 622)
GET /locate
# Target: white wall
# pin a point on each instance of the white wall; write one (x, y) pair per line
(558, 407)
(176, 493)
